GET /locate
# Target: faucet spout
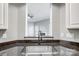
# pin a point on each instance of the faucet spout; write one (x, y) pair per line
(39, 37)
(40, 34)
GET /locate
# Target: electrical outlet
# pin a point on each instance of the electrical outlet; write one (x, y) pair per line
(4, 36)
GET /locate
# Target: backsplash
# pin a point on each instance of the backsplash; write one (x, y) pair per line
(74, 34)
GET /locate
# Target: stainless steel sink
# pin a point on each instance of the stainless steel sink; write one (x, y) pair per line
(40, 51)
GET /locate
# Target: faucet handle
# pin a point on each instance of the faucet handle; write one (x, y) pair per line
(42, 34)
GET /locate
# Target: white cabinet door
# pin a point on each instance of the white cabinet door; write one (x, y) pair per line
(3, 15)
(72, 15)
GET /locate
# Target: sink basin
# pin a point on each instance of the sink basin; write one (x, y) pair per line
(40, 51)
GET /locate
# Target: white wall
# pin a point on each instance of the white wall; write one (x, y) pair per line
(12, 22)
(55, 24)
(59, 29)
(16, 21)
(21, 21)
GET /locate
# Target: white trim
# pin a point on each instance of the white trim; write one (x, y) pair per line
(50, 25)
(26, 21)
(1, 15)
(6, 16)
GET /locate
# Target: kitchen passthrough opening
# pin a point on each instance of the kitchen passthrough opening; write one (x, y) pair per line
(37, 19)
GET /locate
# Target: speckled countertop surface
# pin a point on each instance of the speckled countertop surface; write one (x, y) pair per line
(22, 42)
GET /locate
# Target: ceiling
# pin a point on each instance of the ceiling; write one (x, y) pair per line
(39, 11)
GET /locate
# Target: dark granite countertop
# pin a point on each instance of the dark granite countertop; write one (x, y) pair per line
(68, 44)
(36, 41)
(26, 41)
(13, 43)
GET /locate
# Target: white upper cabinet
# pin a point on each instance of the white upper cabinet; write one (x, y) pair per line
(72, 15)
(3, 15)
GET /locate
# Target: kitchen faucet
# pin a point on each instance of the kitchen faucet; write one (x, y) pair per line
(40, 34)
(39, 37)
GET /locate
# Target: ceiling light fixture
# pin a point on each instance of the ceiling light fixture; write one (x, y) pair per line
(30, 15)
